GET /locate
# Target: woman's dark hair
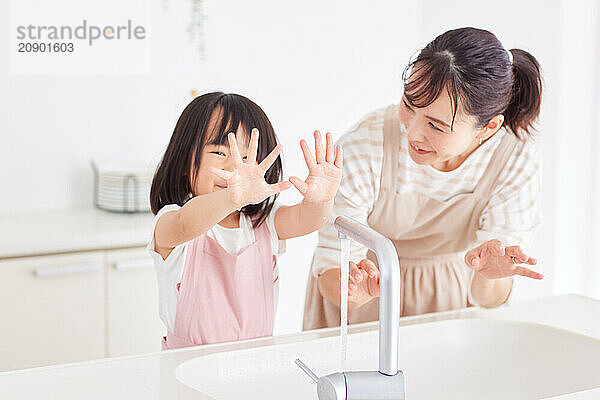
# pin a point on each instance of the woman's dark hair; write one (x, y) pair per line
(172, 183)
(476, 70)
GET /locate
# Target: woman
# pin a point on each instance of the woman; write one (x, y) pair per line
(451, 175)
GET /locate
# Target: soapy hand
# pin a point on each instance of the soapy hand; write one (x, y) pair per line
(363, 282)
(494, 261)
(325, 172)
(246, 184)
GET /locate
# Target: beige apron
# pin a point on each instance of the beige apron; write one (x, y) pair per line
(430, 237)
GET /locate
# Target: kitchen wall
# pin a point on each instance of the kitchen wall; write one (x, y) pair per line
(310, 65)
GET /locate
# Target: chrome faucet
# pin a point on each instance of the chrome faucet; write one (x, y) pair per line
(388, 382)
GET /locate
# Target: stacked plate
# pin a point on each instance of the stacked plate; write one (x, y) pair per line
(122, 187)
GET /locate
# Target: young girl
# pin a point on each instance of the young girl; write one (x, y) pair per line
(217, 229)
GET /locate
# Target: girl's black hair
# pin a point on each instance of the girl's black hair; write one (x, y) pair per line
(172, 183)
(474, 68)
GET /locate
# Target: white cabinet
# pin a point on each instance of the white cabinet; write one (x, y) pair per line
(80, 306)
(51, 310)
(134, 326)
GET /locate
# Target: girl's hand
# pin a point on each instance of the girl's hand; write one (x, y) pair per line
(324, 173)
(493, 261)
(246, 184)
(363, 282)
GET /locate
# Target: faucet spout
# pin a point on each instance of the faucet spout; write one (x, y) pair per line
(389, 299)
(387, 383)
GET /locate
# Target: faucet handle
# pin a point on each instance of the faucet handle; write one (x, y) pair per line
(307, 370)
(330, 387)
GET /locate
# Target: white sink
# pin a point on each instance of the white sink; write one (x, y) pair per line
(456, 359)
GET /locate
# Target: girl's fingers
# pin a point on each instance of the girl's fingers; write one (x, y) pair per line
(308, 157)
(517, 253)
(279, 187)
(338, 157)
(329, 149)
(253, 148)
(235, 151)
(319, 153)
(299, 184)
(221, 173)
(528, 273)
(270, 159)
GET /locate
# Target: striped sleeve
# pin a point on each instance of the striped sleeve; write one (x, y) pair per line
(363, 154)
(513, 214)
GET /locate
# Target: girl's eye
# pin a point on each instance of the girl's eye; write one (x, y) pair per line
(219, 153)
(435, 127)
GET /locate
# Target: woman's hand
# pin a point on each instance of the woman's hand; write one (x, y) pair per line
(363, 282)
(246, 184)
(494, 261)
(325, 172)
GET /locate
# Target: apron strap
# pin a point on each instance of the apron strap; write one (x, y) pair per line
(391, 148)
(496, 165)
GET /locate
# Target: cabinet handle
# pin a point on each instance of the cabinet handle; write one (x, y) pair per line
(134, 264)
(67, 270)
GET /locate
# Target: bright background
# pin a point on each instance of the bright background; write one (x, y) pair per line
(310, 65)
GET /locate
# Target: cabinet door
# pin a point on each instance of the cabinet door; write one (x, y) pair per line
(134, 325)
(51, 310)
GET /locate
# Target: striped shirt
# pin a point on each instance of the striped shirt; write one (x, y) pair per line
(512, 214)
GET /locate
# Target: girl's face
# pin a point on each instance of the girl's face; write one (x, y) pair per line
(431, 140)
(218, 156)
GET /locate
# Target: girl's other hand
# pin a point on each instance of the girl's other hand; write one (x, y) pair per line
(246, 184)
(363, 282)
(494, 261)
(324, 171)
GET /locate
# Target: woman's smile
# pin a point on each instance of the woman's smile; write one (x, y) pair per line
(417, 149)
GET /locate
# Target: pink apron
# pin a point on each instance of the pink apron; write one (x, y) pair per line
(224, 297)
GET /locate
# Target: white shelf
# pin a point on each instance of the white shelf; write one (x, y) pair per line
(60, 231)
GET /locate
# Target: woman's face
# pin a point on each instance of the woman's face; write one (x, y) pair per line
(431, 140)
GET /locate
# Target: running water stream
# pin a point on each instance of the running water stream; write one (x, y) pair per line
(344, 265)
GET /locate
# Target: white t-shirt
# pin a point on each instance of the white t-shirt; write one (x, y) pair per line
(234, 240)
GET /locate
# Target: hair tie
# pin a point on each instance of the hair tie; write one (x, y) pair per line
(510, 54)
(510, 57)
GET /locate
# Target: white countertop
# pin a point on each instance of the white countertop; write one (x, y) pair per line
(151, 376)
(29, 233)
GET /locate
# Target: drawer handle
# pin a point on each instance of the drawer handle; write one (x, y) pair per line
(67, 270)
(134, 264)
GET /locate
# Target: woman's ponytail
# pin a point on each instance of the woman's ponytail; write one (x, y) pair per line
(526, 98)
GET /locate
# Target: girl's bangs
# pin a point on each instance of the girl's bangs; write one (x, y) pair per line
(225, 121)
